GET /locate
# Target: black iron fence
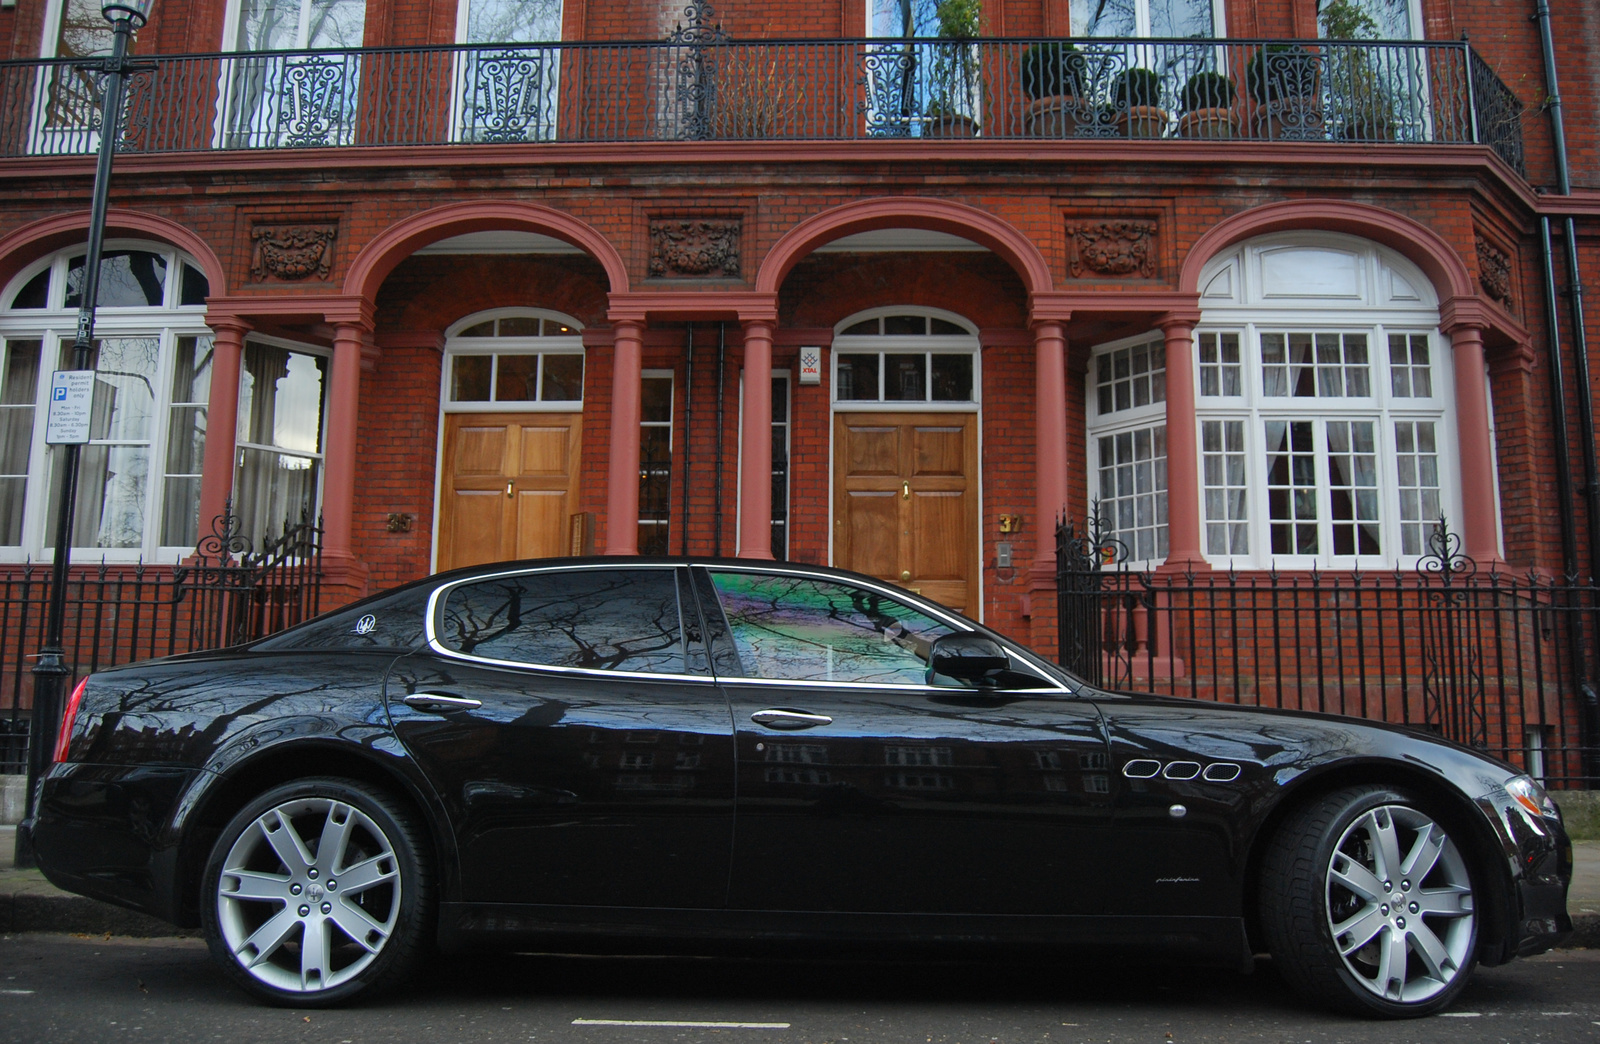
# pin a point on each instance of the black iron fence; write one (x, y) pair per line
(226, 594)
(1492, 660)
(700, 85)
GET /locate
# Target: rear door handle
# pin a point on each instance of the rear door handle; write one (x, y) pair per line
(789, 720)
(439, 703)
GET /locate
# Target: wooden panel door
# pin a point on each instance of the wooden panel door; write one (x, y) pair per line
(905, 495)
(508, 485)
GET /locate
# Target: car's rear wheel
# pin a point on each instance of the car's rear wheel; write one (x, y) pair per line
(1367, 904)
(316, 892)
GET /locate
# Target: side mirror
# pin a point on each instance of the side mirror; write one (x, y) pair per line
(969, 658)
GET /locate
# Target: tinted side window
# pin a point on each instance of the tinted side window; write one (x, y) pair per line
(605, 619)
(389, 621)
(797, 629)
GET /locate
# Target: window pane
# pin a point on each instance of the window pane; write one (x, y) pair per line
(336, 23)
(469, 378)
(191, 371)
(865, 328)
(858, 377)
(563, 378)
(36, 294)
(1103, 18)
(180, 510)
(18, 392)
(1418, 479)
(519, 326)
(793, 628)
(1226, 497)
(656, 399)
(905, 325)
(904, 18)
(1291, 487)
(942, 327)
(1130, 378)
(124, 394)
(1180, 18)
(905, 378)
(952, 378)
(1353, 488)
(280, 398)
(513, 21)
(516, 378)
(1133, 487)
(483, 329)
(112, 485)
(617, 620)
(128, 279)
(273, 491)
(84, 30)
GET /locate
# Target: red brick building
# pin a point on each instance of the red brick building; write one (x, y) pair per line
(866, 285)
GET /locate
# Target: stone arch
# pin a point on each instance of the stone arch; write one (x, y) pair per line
(23, 246)
(399, 241)
(1421, 245)
(937, 215)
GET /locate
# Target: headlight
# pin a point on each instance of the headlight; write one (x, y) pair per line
(1532, 796)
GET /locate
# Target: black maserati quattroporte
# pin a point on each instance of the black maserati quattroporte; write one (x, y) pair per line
(655, 754)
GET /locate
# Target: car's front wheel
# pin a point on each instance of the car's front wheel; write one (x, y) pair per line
(1367, 904)
(316, 892)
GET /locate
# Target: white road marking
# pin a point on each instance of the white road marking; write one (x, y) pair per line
(686, 1025)
(1460, 1015)
(16, 993)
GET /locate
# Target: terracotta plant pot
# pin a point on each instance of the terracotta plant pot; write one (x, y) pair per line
(1209, 123)
(1143, 121)
(1053, 117)
(950, 127)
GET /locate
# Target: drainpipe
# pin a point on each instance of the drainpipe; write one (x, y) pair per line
(688, 429)
(1589, 717)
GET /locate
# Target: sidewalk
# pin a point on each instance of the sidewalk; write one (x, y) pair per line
(29, 903)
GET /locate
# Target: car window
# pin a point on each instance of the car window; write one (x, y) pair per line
(794, 628)
(602, 619)
(392, 620)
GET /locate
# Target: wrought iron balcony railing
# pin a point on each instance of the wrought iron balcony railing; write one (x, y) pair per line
(1241, 90)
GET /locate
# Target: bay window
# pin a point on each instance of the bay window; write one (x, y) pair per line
(282, 398)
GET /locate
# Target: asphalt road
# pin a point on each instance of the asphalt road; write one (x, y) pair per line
(65, 988)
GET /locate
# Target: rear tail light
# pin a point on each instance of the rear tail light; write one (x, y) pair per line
(69, 717)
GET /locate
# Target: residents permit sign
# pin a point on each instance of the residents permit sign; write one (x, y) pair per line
(71, 399)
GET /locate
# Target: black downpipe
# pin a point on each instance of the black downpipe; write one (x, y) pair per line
(1589, 708)
(688, 430)
(1558, 408)
(722, 367)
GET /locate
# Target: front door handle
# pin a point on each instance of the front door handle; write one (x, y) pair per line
(789, 720)
(438, 703)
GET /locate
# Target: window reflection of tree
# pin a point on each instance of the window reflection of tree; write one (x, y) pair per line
(625, 620)
(804, 630)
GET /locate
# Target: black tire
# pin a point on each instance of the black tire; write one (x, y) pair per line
(287, 934)
(1351, 931)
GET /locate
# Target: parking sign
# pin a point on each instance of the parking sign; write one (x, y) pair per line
(71, 399)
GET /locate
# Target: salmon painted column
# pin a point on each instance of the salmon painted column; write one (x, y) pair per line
(339, 457)
(622, 476)
(1050, 435)
(1480, 531)
(1183, 453)
(755, 450)
(222, 417)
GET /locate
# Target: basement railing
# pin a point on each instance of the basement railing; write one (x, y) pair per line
(1354, 92)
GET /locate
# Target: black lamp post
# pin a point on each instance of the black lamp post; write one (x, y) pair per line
(51, 671)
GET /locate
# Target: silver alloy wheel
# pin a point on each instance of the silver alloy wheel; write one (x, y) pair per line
(309, 894)
(1399, 904)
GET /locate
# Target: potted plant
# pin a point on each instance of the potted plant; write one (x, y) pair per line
(1137, 94)
(954, 78)
(1052, 78)
(1207, 106)
(1363, 99)
(1286, 82)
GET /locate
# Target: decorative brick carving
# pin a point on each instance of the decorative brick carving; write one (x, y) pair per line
(1120, 249)
(291, 252)
(694, 249)
(1494, 271)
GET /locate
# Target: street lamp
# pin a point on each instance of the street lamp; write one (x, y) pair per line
(51, 671)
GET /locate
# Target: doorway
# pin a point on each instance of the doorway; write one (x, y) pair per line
(508, 484)
(906, 502)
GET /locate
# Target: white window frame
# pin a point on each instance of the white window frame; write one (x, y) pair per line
(466, 60)
(560, 344)
(670, 424)
(896, 344)
(55, 326)
(1117, 422)
(1372, 308)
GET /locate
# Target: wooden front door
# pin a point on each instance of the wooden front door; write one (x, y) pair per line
(508, 486)
(905, 495)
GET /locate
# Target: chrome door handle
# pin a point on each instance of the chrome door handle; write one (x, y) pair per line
(438, 703)
(789, 720)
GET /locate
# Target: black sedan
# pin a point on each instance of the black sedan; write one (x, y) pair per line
(666, 754)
